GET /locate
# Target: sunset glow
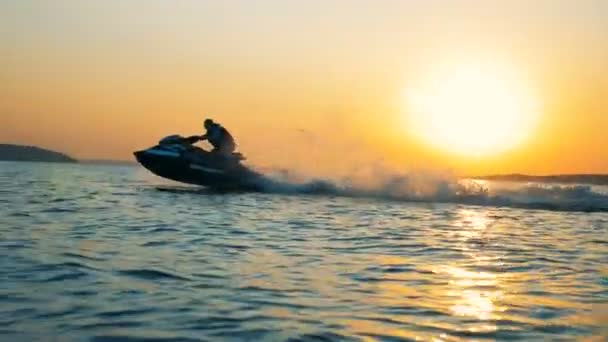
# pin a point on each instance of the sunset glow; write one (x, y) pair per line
(472, 110)
(318, 86)
(275, 170)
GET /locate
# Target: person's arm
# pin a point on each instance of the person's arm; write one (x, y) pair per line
(195, 138)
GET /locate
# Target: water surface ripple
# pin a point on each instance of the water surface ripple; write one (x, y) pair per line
(98, 253)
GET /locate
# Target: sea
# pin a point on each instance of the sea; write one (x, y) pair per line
(113, 253)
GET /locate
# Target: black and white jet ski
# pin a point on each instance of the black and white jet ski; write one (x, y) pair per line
(177, 159)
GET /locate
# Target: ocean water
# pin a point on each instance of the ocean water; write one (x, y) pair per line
(111, 253)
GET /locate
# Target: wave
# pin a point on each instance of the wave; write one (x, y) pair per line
(438, 188)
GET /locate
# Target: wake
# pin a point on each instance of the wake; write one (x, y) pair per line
(439, 189)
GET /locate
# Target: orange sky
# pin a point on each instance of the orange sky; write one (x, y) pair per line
(316, 85)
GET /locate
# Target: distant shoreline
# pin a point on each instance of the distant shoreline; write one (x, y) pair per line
(28, 153)
(595, 179)
(23, 153)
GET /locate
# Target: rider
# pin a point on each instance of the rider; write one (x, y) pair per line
(219, 137)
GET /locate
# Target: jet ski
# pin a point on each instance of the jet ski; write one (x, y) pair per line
(176, 158)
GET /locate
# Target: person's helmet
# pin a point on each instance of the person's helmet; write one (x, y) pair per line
(208, 123)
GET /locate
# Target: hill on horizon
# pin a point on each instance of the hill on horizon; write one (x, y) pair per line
(11, 152)
(595, 179)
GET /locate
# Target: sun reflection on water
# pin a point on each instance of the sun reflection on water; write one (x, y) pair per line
(474, 293)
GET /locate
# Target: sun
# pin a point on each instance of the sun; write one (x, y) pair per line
(472, 110)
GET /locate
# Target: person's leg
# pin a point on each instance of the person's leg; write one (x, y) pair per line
(230, 147)
(226, 149)
(220, 150)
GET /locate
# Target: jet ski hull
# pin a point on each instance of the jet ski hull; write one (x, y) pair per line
(200, 168)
